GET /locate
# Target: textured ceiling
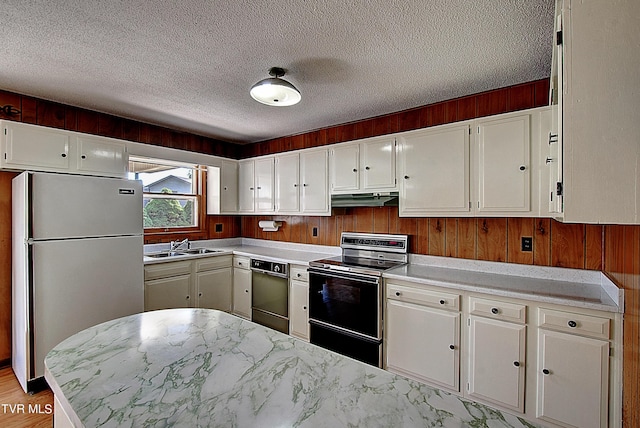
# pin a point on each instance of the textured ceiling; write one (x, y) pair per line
(189, 64)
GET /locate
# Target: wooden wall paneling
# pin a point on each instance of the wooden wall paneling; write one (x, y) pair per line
(109, 126)
(516, 229)
(520, 97)
(467, 235)
(492, 239)
(436, 114)
(50, 114)
(5, 264)
(492, 102)
(380, 220)
(437, 236)
(298, 232)
(364, 128)
(363, 219)
(311, 223)
(297, 142)
(422, 236)
(382, 125)
(346, 132)
(13, 100)
(409, 120)
(542, 242)
(29, 110)
(593, 246)
(541, 88)
(131, 130)
(567, 245)
(467, 108)
(88, 122)
(71, 119)
(451, 237)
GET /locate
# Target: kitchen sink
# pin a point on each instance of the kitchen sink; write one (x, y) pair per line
(201, 251)
(166, 254)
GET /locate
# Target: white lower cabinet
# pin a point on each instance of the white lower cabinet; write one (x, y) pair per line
(422, 342)
(200, 283)
(497, 362)
(299, 303)
(241, 287)
(572, 371)
(551, 366)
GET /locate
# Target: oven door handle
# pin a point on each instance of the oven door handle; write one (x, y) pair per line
(345, 331)
(351, 276)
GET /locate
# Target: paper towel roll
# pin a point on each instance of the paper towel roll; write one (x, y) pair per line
(269, 225)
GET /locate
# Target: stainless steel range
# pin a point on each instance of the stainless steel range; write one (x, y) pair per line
(345, 294)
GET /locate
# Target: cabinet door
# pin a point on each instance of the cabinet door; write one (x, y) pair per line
(264, 185)
(423, 343)
(229, 187)
(573, 378)
(242, 292)
(434, 172)
(378, 164)
(503, 165)
(299, 310)
(213, 289)
(287, 171)
(167, 293)
(314, 174)
(246, 194)
(35, 147)
(102, 156)
(345, 172)
(497, 362)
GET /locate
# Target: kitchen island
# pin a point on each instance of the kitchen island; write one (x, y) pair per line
(200, 367)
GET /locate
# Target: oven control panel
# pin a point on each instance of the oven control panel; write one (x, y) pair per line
(280, 269)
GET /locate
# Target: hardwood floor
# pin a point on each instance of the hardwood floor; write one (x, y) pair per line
(21, 410)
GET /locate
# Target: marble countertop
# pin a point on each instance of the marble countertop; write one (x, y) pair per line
(200, 367)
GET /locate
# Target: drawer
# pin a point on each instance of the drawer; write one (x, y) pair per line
(585, 325)
(164, 270)
(241, 262)
(436, 299)
(496, 309)
(299, 273)
(211, 263)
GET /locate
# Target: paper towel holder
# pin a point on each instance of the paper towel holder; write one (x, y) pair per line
(269, 225)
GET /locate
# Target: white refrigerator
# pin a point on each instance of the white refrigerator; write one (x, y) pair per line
(77, 249)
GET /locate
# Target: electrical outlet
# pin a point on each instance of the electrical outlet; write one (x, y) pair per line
(527, 243)
(218, 227)
(314, 231)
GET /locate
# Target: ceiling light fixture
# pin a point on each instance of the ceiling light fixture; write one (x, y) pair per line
(275, 91)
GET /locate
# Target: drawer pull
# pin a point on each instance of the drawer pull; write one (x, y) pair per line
(398, 293)
(442, 302)
(572, 324)
(452, 347)
(545, 371)
(516, 363)
(188, 297)
(494, 311)
(299, 275)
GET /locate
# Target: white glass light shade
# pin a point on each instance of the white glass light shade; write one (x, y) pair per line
(275, 92)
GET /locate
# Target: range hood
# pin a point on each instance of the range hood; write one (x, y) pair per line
(365, 200)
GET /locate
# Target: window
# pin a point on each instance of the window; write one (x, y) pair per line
(172, 193)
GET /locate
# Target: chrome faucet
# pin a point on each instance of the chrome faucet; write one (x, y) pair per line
(175, 245)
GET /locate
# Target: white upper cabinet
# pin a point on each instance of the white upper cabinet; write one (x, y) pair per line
(365, 166)
(287, 186)
(264, 172)
(228, 187)
(314, 180)
(503, 165)
(598, 65)
(434, 171)
(246, 185)
(39, 148)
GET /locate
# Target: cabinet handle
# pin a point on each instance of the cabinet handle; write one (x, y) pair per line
(545, 371)
(548, 160)
(494, 311)
(397, 293)
(246, 291)
(298, 275)
(304, 307)
(572, 324)
(367, 168)
(83, 156)
(442, 302)
(226, 188)
(295, 185)
(452, 347)
(516, 363)
(355, 170)
(188, 297)
(64, 155)
(199, 294)
(406, 177)
(304, 185)
(522, 167)
(259, 187)
(250, 188)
